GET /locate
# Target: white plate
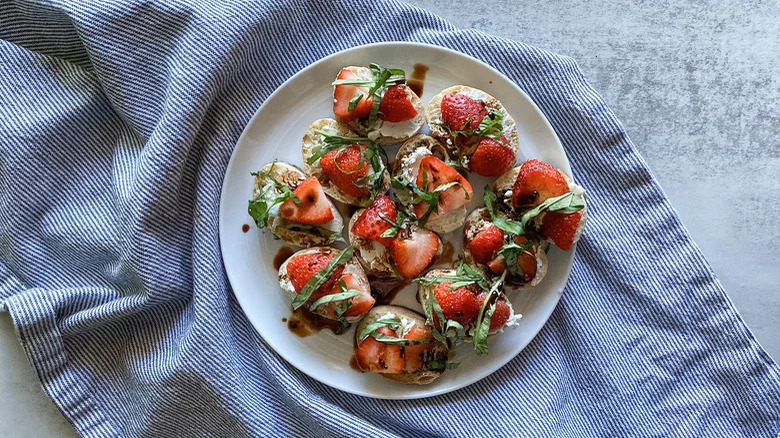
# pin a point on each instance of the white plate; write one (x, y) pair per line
(275, 132)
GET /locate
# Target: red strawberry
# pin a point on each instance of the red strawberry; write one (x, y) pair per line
(342, 94)
(413, 354)
(536, 182)
(396, 105)
(344, 167)
(561, 228)
(492, 158)
(314, 208)
(370, 224)
(526, 261)
(458, 109)
(459, 305)
(437, 173)
(300, 269)
(413, 254)
(372, 355)
(485, 244)
(500, 315)
(359, 304)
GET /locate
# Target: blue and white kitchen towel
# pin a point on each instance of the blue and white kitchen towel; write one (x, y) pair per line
(117, 120)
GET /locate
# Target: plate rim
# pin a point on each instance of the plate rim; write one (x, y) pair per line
(501, 362)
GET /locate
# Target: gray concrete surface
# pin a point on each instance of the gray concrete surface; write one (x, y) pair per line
(697, 85)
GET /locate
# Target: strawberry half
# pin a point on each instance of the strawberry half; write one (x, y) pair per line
(301, 268)
(459, 305)
(492, 158)
(343, 94)
(413, 254)
(314, 208)
(536, 182)
(458, 110)
(370, 224)
(435, 173)
(396, 105)
(344, 167)
(413, 354)
(561, 228)
(372, 355)
(484, 245)
(500, 315)
(359, 304)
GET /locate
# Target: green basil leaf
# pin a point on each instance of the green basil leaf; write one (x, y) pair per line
(341, 296)
(567, 203)
(354, 101)
(321, 277)
(390, 321)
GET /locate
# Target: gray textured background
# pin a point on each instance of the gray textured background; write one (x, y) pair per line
(697, 86)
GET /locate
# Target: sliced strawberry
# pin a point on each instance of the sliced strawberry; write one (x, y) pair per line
(500, 315)
(484, 245)
(497, 265)
(370, 224)
(413, 354)
(536, 182)
(561, 228)
(343, 94)
(413, 254)
(434, 173)
(459, 111)
(459, 304)
(345, 166)
(359, 304)
(300, 269)
(396, 105)
(370, 355)
(314, 208)
(492, 158)
(526, 261)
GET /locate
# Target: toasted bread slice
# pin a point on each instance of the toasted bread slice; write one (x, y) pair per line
(374, 256)
(478, 220)
(312, 142)
(352, 267)
(465, 147)
(423, 376)
(290, 232)
(407, 165)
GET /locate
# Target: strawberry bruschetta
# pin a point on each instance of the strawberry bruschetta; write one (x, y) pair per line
(396, 342)
(476, 128)
(492, 243)
(350, 168)
(294, 207)
(399, 113)
(544, 200)
(328, 282)
(435, 193)
(462, 306)
(388, 244)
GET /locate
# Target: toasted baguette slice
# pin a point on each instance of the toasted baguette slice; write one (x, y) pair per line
(465, 147)
(384, 132)
(478, 220)
(407, 164)
(423, 376)
(503, 189)
(288, 231)
(352, 267)
(426, 290)
(312, 142)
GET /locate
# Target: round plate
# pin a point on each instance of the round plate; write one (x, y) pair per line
(275, 132)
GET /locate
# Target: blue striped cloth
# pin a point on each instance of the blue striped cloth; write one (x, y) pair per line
(117, 120)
